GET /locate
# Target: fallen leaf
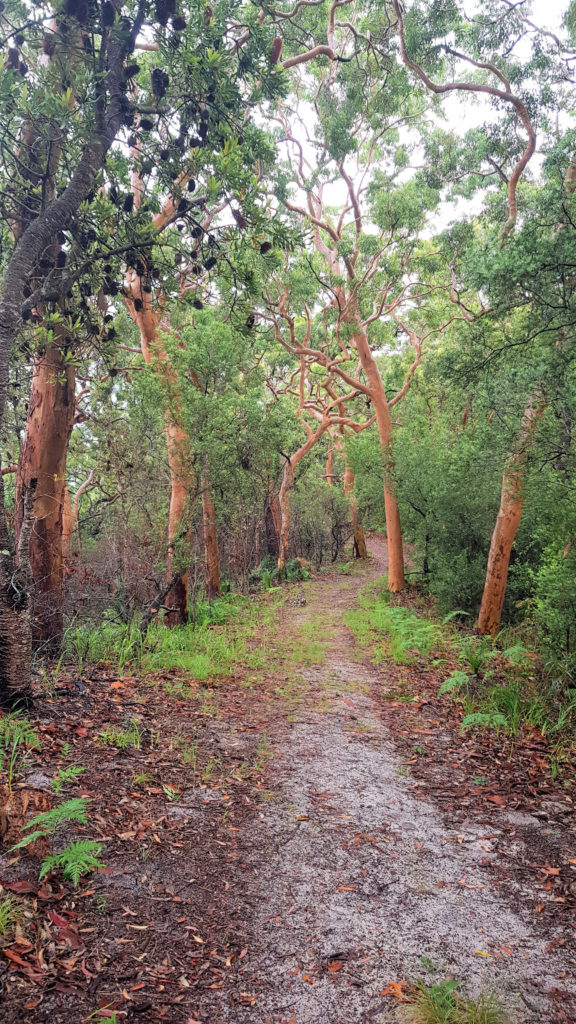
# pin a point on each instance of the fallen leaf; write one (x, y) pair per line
(336, 965)
(395, 989)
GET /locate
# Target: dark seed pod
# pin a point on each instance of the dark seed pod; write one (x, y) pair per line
(110, 334)
(91, 235)
(22, 69)
(182, 205)
(197, 304)
(196, 268)
(45, 264)
(146, 167)
(164, 154)
(146, 124)
(191, 185)
(180, 227)
(128, 204)
(159, 81)
(108, 14)
(250, 321)
(113, 194)
(138, 305)
(132, 141)
(162, 12)
(197, 232)
(275, 50)
(131, 71)
(174, 41)
(128, 119)
(86, 44)
(196, 142)
(210, 262)
(239, 218)
(61, 238)
(108, 318)
(112, 372)
(20, 39)
(147, 288)
(27, 292)
(48, 45)
(61, 260)
(26, 315)
(240, 140)
(179, 24)
(265, 247)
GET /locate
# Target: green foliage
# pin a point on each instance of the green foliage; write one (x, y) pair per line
(77, 859)
(15, 730)
(17, 737)
(406, 634)
(131, 736)
(49, 822)
(9, 914)
(442, 1003)
(66, 775)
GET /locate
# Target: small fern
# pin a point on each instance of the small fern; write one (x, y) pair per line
(66, 775)
(485, 720)
(9, 914)
(47, 823)
(455, 680)
(17, 730)
(77, 859)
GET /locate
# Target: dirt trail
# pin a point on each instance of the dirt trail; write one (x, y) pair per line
(349, 879)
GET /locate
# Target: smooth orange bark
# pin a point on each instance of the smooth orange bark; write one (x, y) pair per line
(507, 521)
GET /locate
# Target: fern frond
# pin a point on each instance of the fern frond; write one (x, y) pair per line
(15, 730)
(70, 810)
(77, 859)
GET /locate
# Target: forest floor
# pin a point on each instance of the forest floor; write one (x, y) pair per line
(297, 844)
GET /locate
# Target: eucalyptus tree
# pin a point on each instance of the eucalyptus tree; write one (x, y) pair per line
(69, 220)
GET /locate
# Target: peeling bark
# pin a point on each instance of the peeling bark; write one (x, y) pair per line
(508, 520)
(43, 458)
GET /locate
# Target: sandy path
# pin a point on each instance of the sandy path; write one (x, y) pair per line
(350, 879)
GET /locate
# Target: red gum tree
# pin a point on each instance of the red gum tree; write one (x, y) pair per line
(319, 402)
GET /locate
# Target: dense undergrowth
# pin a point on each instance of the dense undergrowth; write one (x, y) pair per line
(498, 683)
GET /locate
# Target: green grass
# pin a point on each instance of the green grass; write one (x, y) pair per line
(391, 631)
(131, 736)
(208, 647)
(443, 1004)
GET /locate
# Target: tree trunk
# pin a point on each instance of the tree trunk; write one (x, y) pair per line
(396, 580)
(272, 520)
(49, 426)
(330, 465)
(182, 483)
(360, 550)
(508, 521)
(70, 516)
(212, 575)
(16, 608)
(284, 505)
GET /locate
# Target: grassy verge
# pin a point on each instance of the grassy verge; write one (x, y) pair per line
(498, 684)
